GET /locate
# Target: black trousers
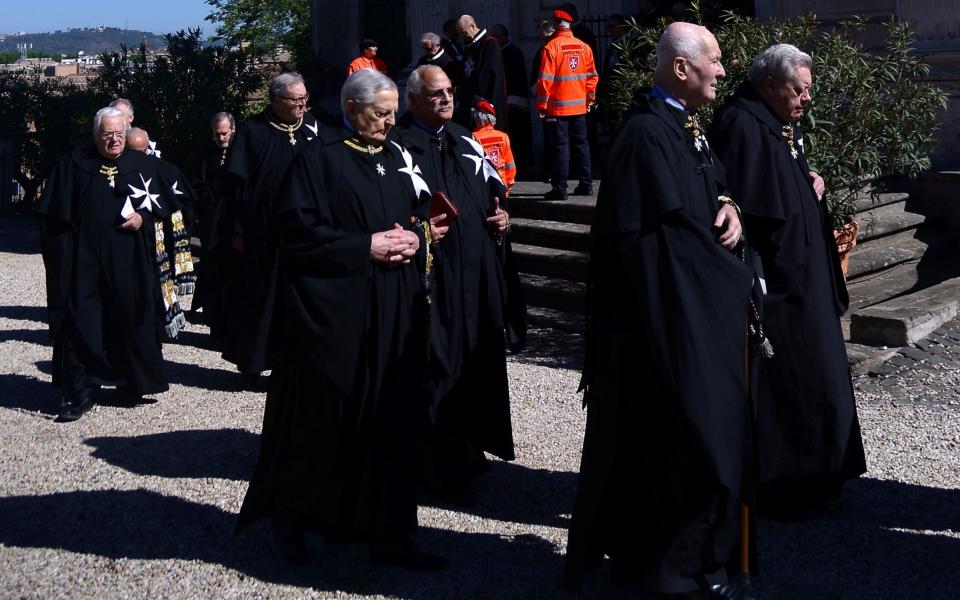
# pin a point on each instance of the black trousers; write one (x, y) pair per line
(558, 130)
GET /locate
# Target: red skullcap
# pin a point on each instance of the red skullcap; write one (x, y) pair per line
(562, 15)
(485, 107)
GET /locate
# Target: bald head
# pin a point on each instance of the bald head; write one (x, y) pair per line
(137, 139)
(467, 27)
(688, 64)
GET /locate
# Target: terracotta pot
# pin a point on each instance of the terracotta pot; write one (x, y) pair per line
(846, 238)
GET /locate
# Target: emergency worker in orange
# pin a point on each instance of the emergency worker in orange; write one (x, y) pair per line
(496, 144)
(368, 58)
(566, 90)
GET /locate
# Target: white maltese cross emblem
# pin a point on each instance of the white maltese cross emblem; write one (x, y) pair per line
(419, 185)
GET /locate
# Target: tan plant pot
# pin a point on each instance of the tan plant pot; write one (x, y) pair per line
(846, 238)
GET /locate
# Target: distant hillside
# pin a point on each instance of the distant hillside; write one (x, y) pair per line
(91, 41)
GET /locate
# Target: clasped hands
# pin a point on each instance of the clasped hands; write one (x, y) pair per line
(394, 246)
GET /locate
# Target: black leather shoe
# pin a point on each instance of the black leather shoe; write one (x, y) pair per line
(555, 194)
(583, 190)
(75, 408)
(407, 555)
(289, 541)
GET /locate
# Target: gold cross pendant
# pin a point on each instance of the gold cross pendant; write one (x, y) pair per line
(110, 172)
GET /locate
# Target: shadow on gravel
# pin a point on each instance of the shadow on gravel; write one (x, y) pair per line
(37, 314)
(141, 524)
(40, 337)
(20, 392)
(202, 453)
(859, 549)
(20, 235)
(512, 492)
(552, 348)
(195, 376)
(193, 338)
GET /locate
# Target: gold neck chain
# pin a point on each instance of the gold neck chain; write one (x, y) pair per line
(111, 173)
(362, 147)
(693, 126)
(787, 134)
(288, 129)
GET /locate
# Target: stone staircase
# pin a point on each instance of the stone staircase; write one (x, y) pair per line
(902, 278)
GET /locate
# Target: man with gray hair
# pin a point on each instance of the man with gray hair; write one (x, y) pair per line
(435, 54)
(664, 452)
(341, 430)
(111, 250)
(264, 147)
(804, 391)
(475, 299)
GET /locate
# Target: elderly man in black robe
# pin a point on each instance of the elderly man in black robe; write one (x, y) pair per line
(435, 54)
(662, 470)
(484, 75)
(263, 149)
(113, 249)
(808, 434)
(475, 301)
(339, 449)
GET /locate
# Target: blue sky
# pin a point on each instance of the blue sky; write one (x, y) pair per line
(157, 16)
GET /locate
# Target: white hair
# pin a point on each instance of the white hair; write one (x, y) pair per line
(678, 44)
(108, 111)
(281, 82)
(415, 80)
(430, 38)
(778, 61)
(123, 102)
(482, 117)
(362, 86)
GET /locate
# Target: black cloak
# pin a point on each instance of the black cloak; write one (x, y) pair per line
(446, 61)
(478, 297)
(339, 444)
(243, 312)
(483, 67)
(808, 434)
(103, 289)
(208, 175)
(666, 440)
(518, 103)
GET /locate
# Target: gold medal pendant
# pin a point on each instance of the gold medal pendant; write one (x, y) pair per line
(111, 173)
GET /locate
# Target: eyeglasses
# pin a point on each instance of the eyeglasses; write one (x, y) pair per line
(439, 94)
(112, 135)
(298, 100)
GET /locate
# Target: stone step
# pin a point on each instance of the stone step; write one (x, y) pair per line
(882, 253)
(551, 262)
(886, 220)
(906, 319)
(865, 202)
(548, 318)
(551, 234)
(553, 293)
(575, 209)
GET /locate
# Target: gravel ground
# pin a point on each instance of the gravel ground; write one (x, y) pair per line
(141, 501)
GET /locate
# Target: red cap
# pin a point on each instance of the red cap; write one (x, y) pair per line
(562, 15)
(485, 107)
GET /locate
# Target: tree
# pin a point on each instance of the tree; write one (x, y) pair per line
(263, 25)
(175, 95)
(44, 118)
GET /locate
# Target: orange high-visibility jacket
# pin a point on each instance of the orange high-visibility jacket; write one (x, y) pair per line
(362, 62)
(567, 83)
(497, 146)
